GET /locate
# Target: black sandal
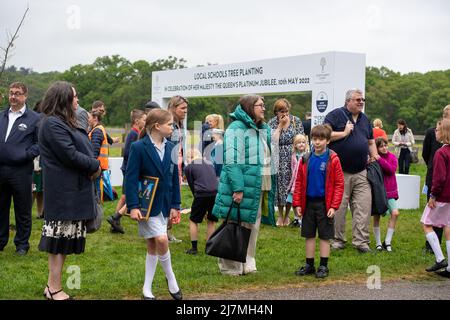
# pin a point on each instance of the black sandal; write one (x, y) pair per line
(55, 293)
(46, 291)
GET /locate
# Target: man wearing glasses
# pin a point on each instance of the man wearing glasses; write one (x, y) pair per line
(18, 145)
(352, 139)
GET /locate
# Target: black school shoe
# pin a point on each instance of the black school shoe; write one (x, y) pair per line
(306, 269)
(191, 251)
(294, 223)
(322, 272)
(444, 273)
(177, 295)
(115, 225)
(437, 266)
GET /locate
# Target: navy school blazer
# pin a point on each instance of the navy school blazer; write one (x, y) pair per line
(145, 161)
(22, 144)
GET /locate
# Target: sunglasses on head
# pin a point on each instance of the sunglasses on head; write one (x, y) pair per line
(181, 100)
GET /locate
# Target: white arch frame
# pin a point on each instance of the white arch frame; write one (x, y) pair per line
(326, 75)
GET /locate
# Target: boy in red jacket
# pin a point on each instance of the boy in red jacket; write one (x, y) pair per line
(319, 187)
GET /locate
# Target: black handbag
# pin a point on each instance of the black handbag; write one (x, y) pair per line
(229, 240)
(414, 155)
(95, 224)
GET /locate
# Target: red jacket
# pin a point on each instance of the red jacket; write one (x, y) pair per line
(334, 183)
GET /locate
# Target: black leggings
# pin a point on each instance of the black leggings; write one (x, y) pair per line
(403, 161)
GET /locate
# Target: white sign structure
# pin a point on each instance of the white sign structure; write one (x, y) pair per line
(326, 75)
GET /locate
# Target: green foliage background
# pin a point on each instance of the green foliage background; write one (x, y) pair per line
(123, 85)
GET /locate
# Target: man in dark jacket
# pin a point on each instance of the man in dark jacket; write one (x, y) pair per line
(18, 145)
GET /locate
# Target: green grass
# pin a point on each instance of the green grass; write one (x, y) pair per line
(116, 151)
(112, 266)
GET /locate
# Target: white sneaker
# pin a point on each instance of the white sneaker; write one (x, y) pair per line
(172, 239)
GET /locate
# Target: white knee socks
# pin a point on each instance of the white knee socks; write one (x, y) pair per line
(435, 245)
(376, 233)
(150, 267)
(166, 264)
(448, 253)
(389, 234)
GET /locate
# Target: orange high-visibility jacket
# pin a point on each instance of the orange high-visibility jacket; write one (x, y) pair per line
(104, 148)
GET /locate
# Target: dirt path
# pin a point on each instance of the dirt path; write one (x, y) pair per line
(390, 290)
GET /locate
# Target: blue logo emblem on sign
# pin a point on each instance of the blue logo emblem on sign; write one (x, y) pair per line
(322, 101)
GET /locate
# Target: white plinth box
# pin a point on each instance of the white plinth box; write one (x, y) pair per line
(116, 174)
(408, 191)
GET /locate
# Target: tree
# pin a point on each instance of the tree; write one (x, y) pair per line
(120, 84)
(11, 38)
(124, 85)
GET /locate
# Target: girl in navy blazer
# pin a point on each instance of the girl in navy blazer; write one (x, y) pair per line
(154, 155)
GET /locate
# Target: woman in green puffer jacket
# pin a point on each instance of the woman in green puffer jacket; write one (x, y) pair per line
(246, 177)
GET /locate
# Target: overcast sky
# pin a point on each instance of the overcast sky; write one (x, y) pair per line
(403, 35)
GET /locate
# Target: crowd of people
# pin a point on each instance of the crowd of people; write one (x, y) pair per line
(58, 155)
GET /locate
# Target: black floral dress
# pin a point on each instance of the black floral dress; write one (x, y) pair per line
(63, 237)
(283, 160)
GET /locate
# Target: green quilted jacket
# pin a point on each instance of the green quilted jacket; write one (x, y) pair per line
(243, 158)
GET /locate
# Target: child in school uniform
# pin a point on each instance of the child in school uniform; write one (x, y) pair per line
(388, 163)
(201, 178)
(437, 211)
(138, 118)
(319, 187)
(300, 147)
(151, 156)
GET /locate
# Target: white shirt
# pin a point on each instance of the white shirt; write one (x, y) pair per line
(163, 147)
(12, 116)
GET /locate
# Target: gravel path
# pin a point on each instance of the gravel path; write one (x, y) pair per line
(390, 290)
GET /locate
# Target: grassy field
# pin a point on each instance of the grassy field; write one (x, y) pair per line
(112, 266)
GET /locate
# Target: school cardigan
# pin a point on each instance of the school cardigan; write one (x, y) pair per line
(388, 163)
(441, 174)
